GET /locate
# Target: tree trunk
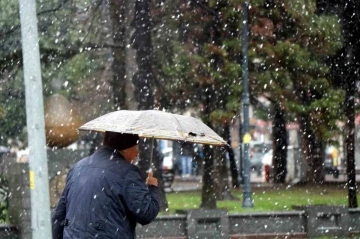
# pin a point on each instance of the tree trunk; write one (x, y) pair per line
(280, 144)
(350, 133)
(310, 144)
(130, 56)
(143, 81)
(312, 149)
(223, 191)
(208, 196)
(233, 167)
(118, 81)
(318, 159)
(350, 144)
(346, 71)
(352, 66)
(219, 172)
(220, 100)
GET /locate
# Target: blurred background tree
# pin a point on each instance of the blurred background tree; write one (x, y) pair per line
(74, 57)
(345, 75)
(289, 45)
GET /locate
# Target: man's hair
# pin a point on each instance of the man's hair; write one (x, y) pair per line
(120, 141)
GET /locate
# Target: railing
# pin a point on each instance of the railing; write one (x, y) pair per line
(220, 224)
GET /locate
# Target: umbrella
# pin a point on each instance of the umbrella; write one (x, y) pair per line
(156, 124)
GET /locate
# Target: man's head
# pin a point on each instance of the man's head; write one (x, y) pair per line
(126, 144)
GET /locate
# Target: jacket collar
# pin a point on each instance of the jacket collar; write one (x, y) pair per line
(111, 151)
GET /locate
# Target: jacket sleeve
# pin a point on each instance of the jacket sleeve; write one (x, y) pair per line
(143, 202)
(59, 214)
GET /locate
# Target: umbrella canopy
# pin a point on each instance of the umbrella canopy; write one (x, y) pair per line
(156, 124)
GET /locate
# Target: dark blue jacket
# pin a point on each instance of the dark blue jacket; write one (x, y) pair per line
(104, 197)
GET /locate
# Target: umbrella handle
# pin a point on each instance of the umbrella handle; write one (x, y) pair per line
(151, 154)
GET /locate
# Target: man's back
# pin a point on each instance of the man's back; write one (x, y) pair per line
(105, 197)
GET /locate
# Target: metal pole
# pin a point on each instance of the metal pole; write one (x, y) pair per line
(241, 155)
(39, 180)
(247, 201)
(151, 154)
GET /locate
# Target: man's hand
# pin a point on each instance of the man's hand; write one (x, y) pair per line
(150, 180)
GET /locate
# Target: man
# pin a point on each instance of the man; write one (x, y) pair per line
(105, 196)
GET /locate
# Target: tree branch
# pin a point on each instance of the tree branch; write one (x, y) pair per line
(206, 8)
(60, 5)
(50, 55)
(97, 6)
(14, 28)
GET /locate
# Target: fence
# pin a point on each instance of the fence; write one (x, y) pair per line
(312, 222)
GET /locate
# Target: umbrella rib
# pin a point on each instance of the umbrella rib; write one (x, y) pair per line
(136, 120)
(181, 130)
(214, 138)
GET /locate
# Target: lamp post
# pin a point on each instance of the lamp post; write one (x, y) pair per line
(247, 201)
(38, 175)
(241, 149)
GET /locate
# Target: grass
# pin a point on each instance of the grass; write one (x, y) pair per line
(279, 198)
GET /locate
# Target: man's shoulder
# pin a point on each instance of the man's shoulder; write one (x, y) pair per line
(103, 158)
